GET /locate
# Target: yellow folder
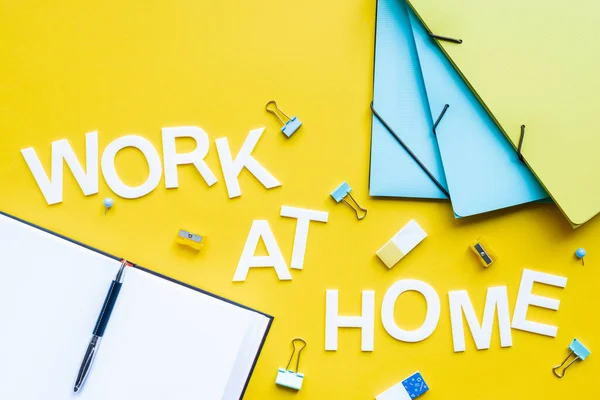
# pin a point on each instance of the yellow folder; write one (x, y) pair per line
(534, 63)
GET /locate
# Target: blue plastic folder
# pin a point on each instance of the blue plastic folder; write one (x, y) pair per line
(482, 169)
(399, 98)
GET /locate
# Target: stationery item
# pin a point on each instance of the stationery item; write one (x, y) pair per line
(405, 160)
(481, 167)
(103, 318)
(530, 66)
(341, 193)
(190, 239)
(484, 252)
(288, 127)
(410, 388)
(108, 203)
(580, 253)
(288, 378)
(578, 350)
(404, 241)
(165, 339)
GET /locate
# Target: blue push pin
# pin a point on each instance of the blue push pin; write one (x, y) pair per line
(108, 203)
(580, 253)
(289, 127)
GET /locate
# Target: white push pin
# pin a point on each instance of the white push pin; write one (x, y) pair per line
(108, 203)
(288, 127)
(288, 378)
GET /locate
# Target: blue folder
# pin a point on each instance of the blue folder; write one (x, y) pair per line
(405, 161)
(413, 83)
(483, 170)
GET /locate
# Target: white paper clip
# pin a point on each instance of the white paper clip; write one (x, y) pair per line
(341, 193)
(578, 350)
(288, 378)
(288, 127)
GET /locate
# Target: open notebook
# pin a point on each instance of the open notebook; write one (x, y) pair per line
(165, 339)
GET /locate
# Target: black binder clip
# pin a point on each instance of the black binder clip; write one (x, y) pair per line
(437, 121)
(445, 38)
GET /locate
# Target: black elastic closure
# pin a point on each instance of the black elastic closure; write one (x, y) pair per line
(437, 121)
(520, 146)
(409, 151)
(445, 38)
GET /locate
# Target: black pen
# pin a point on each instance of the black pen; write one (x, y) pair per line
(109, 303)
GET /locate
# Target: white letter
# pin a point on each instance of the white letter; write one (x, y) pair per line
(431, 318)
(526, 299)
(110, 174)
(460, 302)
(196, 157)
(366, 322)
(261, 228)
(231, 169)
(61, 149)
(304, 217)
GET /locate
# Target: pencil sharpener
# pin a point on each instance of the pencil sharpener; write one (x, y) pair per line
(289, 379)
(484, 252)
(291, 126)
(190, 239)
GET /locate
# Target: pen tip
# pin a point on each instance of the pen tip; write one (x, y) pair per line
(76, 389)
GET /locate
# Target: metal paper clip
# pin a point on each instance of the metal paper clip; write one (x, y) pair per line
(288, 378)
(341, 193)
(288, 127)
(577, 349)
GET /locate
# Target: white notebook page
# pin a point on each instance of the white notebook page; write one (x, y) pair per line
(163, 341)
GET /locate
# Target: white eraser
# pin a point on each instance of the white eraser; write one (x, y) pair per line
(396, 392)
(404, 241)
(409, 236)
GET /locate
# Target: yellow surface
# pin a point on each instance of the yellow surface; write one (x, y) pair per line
(124, 67)
(535, 64)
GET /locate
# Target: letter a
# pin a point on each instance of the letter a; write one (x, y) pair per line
(261, 228)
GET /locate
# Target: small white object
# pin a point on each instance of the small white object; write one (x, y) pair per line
(366, 322)
(110, 173)
(396, 392)
(525, 299)
(431, 318)
(496, 299)
(196, 157)
(232, 168)
(403, 242)
(304, 217)
(261, 228)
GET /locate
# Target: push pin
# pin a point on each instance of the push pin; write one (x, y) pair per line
(341, 193)
(189, 239)
(577, 349)
(580, 253)
(288, 127)
(288, 378)
(108, 203)
(485, 253)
